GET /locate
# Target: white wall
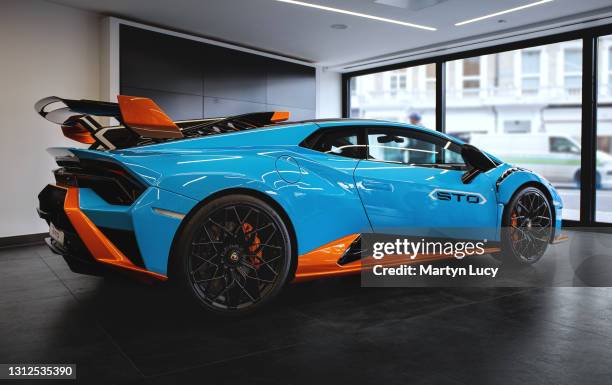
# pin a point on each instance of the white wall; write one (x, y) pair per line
(47, 49)
(329, 94)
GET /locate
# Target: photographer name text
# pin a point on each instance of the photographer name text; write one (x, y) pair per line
(429, 270)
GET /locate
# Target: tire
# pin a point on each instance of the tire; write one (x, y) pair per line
(526, 227)
(233, 255)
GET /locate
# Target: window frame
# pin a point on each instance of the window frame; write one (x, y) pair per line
(588, 36)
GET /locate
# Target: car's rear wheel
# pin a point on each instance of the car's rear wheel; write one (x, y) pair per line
(527, 226)
(234, 254)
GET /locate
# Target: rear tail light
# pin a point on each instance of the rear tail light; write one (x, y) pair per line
(108, 179)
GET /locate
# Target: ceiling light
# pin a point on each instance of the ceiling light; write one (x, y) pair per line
(503, 12)
(393, 3)
(330, 9)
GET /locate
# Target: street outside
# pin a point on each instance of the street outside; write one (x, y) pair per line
(571, 204)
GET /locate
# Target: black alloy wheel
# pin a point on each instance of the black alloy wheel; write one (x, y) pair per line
(527, 226)
(236, 254)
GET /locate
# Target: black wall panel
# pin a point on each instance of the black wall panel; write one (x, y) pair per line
(291, 85)
(178, 106)
(190, 79)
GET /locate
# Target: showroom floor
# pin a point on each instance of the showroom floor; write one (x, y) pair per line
(322, 332)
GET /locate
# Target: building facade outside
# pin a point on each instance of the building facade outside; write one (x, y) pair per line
(522, 105)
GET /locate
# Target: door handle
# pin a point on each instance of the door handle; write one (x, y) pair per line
(376, 185)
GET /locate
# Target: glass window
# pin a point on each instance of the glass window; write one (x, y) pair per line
(471, 75)
(563, 145)
(410, 147)
(393, 84)
(398, 82)
(530, 71)
(430, 77)
(342, 142)
(518, 126)
(572, 67)
(603, 175)
(609, 71)
(407, 99)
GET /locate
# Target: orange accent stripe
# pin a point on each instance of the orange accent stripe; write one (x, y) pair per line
(78, 133)
(323, 261)
(280, 116)
(100, 247)
(560, 238)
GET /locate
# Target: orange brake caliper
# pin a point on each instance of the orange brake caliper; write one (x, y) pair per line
(256, 258)
(514, 222)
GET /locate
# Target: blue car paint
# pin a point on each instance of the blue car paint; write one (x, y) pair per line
(324, 190)
(514, 181)
(325, 196)
(154, 232)
(104, 214)
(395, 196)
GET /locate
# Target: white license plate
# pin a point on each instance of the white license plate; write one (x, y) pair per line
(56, 235)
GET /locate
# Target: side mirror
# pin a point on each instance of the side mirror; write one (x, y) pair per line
(477, 161)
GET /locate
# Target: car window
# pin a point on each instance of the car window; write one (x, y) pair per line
(342, 142)
(412, 147)
(563, 145)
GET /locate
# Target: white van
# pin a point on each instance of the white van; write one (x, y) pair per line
(556, 157)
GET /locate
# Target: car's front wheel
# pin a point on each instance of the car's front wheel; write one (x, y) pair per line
(233, 255)
(526, 226)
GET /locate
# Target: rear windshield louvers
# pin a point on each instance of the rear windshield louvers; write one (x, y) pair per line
(109, 180)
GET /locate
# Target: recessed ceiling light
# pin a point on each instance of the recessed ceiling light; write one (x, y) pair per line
(503, 12)
(339, 26)
(345, 12)
(394, 3)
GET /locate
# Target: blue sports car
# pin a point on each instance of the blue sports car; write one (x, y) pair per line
(231, 209)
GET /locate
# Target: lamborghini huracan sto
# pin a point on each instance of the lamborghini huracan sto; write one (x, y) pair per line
(231, 209)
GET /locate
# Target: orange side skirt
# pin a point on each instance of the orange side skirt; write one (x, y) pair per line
(323, 261)
(100, 247)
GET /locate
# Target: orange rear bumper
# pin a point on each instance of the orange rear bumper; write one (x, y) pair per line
(100, 247)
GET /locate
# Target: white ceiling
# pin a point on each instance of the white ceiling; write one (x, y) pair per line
(305, 33)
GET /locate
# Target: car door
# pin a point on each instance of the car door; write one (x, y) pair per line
(410, 183)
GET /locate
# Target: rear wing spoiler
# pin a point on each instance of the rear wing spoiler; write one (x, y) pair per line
(141, 121)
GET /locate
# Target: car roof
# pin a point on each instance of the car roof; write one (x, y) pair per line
(325, 123)
(332, 120)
